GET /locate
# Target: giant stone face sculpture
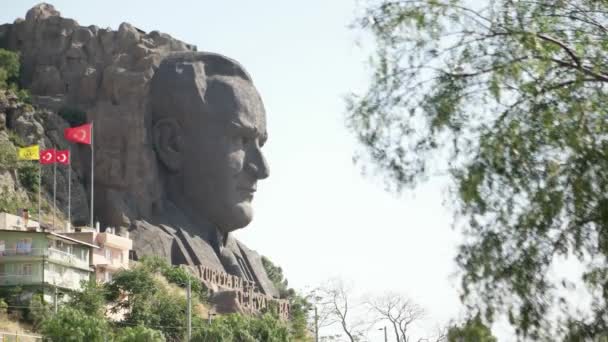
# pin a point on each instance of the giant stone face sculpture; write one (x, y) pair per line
(178, 135)
(207, 125)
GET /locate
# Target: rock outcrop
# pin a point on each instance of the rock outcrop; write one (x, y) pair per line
(20, 123)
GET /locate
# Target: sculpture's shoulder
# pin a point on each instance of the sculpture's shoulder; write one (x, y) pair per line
(172, 243)
(255, 263)
(151, 240)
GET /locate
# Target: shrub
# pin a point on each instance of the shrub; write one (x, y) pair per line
(39, 311)
(3, 308)
(9, 67)
(8, 156)
(139, 334)
(28, 173)
(175, 275)
(11, 203)
(237, 327)
(75, 325)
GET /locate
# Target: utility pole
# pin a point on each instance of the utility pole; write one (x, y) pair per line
(316, 325)
(189, 310)
(55, 297)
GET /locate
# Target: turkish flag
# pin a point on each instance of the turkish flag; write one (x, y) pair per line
(63, 157)
(48, 156)
(79, 134)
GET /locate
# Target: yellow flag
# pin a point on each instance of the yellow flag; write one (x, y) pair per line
(29, 153)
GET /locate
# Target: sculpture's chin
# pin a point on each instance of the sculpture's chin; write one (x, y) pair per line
(240, 216)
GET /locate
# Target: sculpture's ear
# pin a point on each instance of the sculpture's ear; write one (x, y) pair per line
(168, 143)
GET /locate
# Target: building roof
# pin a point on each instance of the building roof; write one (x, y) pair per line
(73, 240)
(51, 233)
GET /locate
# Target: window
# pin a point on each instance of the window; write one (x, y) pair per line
(2, 247)
(2, 271)
(108, 254)
(26, 269)
(24, 246)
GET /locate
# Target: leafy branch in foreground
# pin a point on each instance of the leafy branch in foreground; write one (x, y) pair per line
(509, 99)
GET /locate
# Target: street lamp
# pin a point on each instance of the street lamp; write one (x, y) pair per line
(385, 335)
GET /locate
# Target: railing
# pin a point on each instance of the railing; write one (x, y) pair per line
(55, 254)
(24, 252)
(19, 279)
(69, 282)
(51, 253)
(6, 336)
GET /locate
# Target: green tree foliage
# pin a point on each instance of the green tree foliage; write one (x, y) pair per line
(148, 302)
(275, 273)
(508, 98)
(9, 67)
(38, 311)
(71, 324)
(472, 330)
(155, 311)
(9, 74)
(91, 300)
(28, 175)
(239, 328)
(139, 334)
(298, 304)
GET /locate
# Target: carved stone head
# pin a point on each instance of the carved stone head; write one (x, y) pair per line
(208, 125)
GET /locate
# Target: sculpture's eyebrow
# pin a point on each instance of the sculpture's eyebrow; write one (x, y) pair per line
(250, 130)
(244, 127)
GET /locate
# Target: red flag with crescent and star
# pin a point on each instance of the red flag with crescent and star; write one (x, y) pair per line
(63, 157)
(79, 134)
(48, 156)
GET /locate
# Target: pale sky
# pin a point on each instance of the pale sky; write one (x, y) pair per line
(316, 215)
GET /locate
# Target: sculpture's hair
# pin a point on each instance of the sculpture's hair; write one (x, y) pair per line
(176, 87)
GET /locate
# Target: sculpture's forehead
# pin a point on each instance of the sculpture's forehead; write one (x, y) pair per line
(232, 98)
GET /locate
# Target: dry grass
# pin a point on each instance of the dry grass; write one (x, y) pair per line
(10, 326)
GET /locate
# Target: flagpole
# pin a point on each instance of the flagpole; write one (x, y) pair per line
(54, 192)
(39, 191)
(92, 171)
(69, 186)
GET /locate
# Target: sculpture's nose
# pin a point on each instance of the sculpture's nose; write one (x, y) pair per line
(257, 164)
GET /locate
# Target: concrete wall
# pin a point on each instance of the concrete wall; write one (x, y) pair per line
(28, 242)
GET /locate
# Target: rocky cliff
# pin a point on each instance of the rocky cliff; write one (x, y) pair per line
(104, 74)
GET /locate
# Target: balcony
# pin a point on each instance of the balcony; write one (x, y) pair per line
(19, 279)
(66, 258)
(71, 282)
(51, 254)
(68, 282)
(115, 241)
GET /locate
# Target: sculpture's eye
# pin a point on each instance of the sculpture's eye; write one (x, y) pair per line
(245, 140)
